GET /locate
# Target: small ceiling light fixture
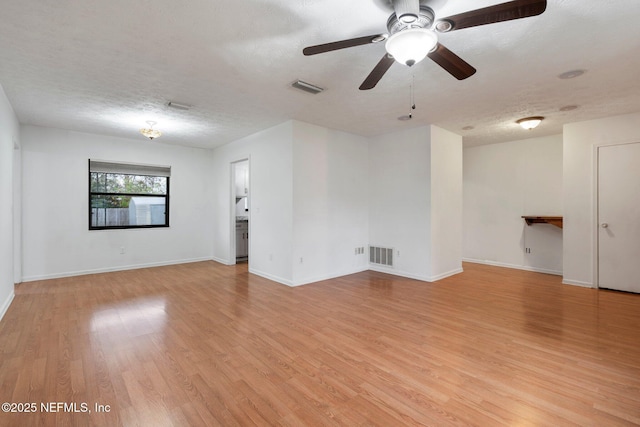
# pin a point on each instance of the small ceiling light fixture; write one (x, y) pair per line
(569, 108)
(530, 122)
(412, 45)
(468, 128)
(150, 132)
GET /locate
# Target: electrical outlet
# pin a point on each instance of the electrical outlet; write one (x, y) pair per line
(301, 260)
(528, 250)
(122, 251)
(270, 257)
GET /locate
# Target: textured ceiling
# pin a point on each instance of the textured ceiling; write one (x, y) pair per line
(108, 66)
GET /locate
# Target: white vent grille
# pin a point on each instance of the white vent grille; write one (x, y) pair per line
(381, 256)
(307, 87)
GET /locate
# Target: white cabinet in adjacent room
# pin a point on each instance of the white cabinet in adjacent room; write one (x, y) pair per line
(242, 239)
(242, 179)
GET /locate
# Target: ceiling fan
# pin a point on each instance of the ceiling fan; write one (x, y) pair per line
(412, 35)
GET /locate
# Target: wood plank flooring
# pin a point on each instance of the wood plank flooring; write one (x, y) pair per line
(210, 345)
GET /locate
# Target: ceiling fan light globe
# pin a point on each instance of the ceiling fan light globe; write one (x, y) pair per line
(412, 45)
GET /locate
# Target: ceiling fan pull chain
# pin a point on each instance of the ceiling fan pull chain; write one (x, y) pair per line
(412, 101)
(413, 92)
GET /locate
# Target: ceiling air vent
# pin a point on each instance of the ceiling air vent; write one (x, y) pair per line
(178, 106)
(307, 87)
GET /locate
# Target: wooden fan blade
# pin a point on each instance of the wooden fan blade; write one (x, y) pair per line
(497, 13)
(342, 44)
(451, 62)
(376, 74)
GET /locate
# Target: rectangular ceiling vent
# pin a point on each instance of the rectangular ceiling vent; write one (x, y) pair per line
(178, 106)
(307, 87)
(381, 256)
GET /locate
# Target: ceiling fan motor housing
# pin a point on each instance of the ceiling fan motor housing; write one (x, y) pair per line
(407, 11)
(425, 20)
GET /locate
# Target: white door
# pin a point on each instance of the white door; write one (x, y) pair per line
(619, 217)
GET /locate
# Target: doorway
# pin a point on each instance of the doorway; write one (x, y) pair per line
(618, 235)
(240, 205)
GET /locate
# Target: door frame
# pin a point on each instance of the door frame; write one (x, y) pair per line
(232, 210)
(596, 205)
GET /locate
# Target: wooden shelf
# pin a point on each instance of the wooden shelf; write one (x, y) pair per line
(553, 220)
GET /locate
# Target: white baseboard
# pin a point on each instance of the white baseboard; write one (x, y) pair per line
(221, 260)
(401, 273)
(271, 277)
(330, 276)
(514, 266)
(6, 304)
(303, 282)
(577, 283)
(112, 269)
(447, 274)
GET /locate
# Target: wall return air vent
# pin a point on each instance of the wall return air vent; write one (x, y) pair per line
(381, 256)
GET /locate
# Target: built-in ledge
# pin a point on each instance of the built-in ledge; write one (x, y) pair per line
(553, 220)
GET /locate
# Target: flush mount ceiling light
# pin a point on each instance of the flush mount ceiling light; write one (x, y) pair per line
(150, 132)
(530, 122)
(412, 45)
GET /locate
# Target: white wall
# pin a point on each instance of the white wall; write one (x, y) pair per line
(415, 190)
(271, 194)
(446, 203)
(308, 199)
(400, 200)
(56, 238)
(580, 140)
(503, 182)
(313, 193)
(330, 203)
(17, 208)
(9, 168)
(318, 194)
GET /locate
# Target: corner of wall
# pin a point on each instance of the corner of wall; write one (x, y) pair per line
(446, 203)
(9, 178)
(6, 304)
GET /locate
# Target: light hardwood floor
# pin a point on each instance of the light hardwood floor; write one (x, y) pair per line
(206, 344)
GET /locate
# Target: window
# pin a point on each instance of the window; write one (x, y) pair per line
(123, 195)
